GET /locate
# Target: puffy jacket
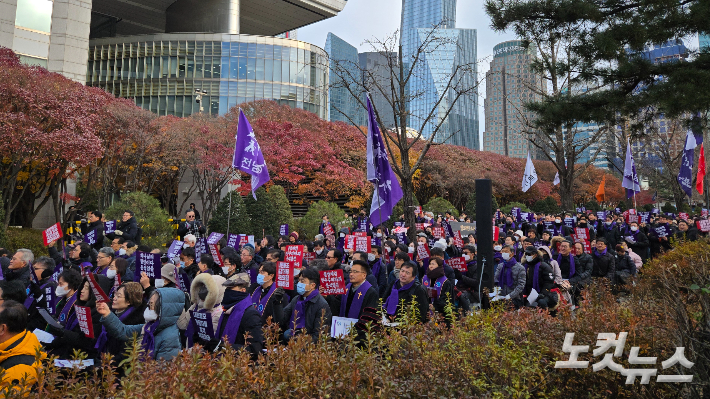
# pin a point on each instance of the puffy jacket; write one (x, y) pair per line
(584, 266)
(604, 266)
(129, 228)
(315, 310)
(17, 357)
(167, 336)
(519, 281)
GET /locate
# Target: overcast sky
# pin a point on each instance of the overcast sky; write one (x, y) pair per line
(365, 19)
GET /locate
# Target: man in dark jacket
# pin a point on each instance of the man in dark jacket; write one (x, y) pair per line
(97, 226)
(77, 255)
(468, 282)
(659, 236)
(584, 265)
(636, 240)
(126, 228)
(42, 293)
(539, 276)
(268, 300)
(405, 291)
(308, 312)
(191, 226)
(604, 265)
(360, 293)
(19, 268)
(685, 232)
(610, 231)
(241, 317)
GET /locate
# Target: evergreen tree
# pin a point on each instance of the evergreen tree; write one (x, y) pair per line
(440, 206)
(152, 219)
(470, 208)
(261, 213)
(308, 225)
(239, 220)
(281, 208)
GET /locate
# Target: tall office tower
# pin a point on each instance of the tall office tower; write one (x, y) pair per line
(376, 78)
(509, 85)
(429, 25)
(344, 78)
(704, 40)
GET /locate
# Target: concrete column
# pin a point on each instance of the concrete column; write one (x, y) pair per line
(233, 24)
(69, 40)
(8, 8)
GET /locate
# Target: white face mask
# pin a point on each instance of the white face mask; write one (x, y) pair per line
(296, 272)
(342, 235)
(506, 256)
(607, 223)
(319, 251)
(61, 291)
(110, 273)
(371, 257)
(225, 269)
(634, 228)
(466, 258)
(121, 251)
(558, 221)
(497, 247)
(150, 315)
(159, 283)
(529, 258)
(410, 250)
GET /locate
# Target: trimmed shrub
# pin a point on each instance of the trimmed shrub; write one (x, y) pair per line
(31, 239)
(307, 226)
(151, 217)
(509, 207)
(280, 207)
(239, 220)
(547, 206)
(440, 206)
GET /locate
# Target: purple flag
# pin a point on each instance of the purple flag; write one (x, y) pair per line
(685, 176)
(387, 191)
(631, 179)
(247, 155)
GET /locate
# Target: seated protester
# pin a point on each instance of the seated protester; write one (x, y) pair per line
(439, 253)
(571, 275)
(41, 291)
(510, 277)
(559, 229)
(468, 283)
(240, 317)
(206, 293)
(206, 265)
(659, 243)
(604, 265)
(249, 265)
(638, 262)
(187, 262)
(624, 265)
(545, 240)
(365, 257)
(405, 293)
(440, 289)
(68, 285)
(172, 279)
(497, 247)
(103, 260)
(515, 246)
(12, 291)
(377, 268)
(231, 264)
(610, 231)
(319, 249)
(119, 247)
(540, 277)
(118, 272)
(79, 256)
(686, 232)
(18, 349)
(399, 259)
(360, 293)
(268, 300)
(71, 337)
(128, 306)
(582, 224)
(307, 313)
(159, 336)
(637, 240)
(19, 268)
(584, 265)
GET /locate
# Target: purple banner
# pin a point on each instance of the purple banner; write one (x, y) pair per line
(283, 230)
(147, 263)
(90, 237)
(233, 241)
(109, 226)
(214, 238)
(175, 249)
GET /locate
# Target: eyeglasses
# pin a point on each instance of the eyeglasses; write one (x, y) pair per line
(356, 271)
(190, 217)
(330, 257)
(119, 296)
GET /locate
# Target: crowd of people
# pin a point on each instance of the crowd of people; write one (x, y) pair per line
(542, 261)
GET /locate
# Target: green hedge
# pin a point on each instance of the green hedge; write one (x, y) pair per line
(26, 238)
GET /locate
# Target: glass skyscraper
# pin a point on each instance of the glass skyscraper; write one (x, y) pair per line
(704, 40)
(344, 73)
(428, 25)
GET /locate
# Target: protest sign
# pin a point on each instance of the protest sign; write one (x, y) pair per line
(83, 316)
(703, 225)
(458, 240)
(175, 250)
(582, 233)
(90, 237)
(632, 219)
(147, 263)
(437, 232)
(294, 254)
(417, 210)
(458, 263)
(662, 231)
(601, 215)
(644, 217)
(341, 326)
(200, 247)
(359, 233)
(203, 323)
(109, 226)
(284, 275)
(332, 282)
(216, 256)
(53, 233)
(309, 256)
(704, 213)
(96, 288)
(422, 252)
(283, 230)
(328, 229)
(464, 228)
(214, 238)
(569, 222)
(683, 215)
(233, 241)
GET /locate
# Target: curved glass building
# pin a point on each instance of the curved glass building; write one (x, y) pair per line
(162, 72)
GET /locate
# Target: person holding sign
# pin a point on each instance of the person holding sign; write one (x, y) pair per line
(71, 336)
(468, 282)
(97, 226)
(637, 240)
(308, 312)
(42, 292)
(128, 306)
(159, 336)
(240, 317)
(510, 277)
(659, 237)
(405, 293)
(201, 321)
(268, 299)
(18, 347)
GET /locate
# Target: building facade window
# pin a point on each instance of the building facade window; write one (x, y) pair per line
(34, 14)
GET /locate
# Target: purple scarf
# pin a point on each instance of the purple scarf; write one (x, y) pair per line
(376, 268)
(260, 302)
(393, 300)
(358, 299)
(103, 337)
(506, 275)
(148, 343)
(65, 316)
(571, 263)
(298, 310)
(536, 281)
(598, 254)
(231, 330)
(557, 231)
(438, 284)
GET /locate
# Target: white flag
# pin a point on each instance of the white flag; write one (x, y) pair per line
(557, 179)
(530, 176)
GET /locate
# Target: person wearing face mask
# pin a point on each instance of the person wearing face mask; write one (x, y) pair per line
(69, 338)
(468, 282)
(440, 289)
(240, 317)
(545, 238)
(559, 228)
(268, 300)
(319, 249)
(637, 240)
(206, 294)
(159, 336)
(128, 306)
(408, 291)
(497, 247)
(610, 231)
(540, 277)
(510, 277)
(67, 285)
(231, 264)
(509, 226)
(41, 292)
(377, 268)
(103, 260)
(308, 313)
(583, 224)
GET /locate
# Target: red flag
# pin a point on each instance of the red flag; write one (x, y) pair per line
(701, 171)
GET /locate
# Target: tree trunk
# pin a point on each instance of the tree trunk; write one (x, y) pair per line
(408, 205)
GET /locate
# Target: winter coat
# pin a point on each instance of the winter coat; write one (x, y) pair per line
(17, 357)
(129, 228)
(518, 281)
(317, 314)
(584, 266)
(371, 300)
(250, 323)
(97, 226)
(212, 303)
(639, 244)
(167, 336)
(604, 266)
(546, 281)
(196, 228)
(274, 308)
(636, 258)
(36, 320)
(689, 235)
(415, 293)
(117, 347)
